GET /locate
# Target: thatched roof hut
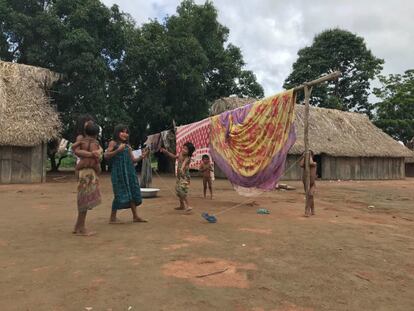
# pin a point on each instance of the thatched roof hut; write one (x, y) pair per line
(409, 162)
(229, 103)
(347, 134)
(347, 145)
(26, 116)
(27, 121)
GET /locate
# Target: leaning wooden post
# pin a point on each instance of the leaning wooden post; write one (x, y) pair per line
(307, 91)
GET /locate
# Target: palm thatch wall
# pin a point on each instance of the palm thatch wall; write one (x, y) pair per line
(347, 144)
(27, 121)
(409, 165)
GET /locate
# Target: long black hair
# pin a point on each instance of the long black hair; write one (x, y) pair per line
(118, 129)
(190, 148)
(80, 124)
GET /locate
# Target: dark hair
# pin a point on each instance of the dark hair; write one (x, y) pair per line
(80, 123)
(92, 129)
(205, 156)
(190, 148)
(118, 129)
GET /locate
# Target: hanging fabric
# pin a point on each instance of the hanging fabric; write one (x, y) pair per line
(250, 144)
(198, 134)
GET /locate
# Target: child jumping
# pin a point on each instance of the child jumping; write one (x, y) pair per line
(183, 174)
(125, 184)
(206, 168)
(89, 151)
(311, 204)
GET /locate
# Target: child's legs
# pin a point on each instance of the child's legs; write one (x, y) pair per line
(185, 200)
(80, 223)
(210, 186)
(134, 210)
(204, 187)
(311, 198)
(312, 207)
(113, 214)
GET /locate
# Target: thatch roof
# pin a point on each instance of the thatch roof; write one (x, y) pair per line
(339, 133)
(26, 116)
(229, 103)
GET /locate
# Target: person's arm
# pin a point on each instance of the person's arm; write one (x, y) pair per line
(311, 161)
(97, 150)
(302, 161)
(110, 152)
(76, 148)
(169, 154)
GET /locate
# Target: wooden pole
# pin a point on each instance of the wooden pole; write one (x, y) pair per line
(308, 91)
(307, 88)
(331, 76)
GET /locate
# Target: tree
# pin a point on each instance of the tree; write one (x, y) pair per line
(395, 111)
(174, 70)
(143, 76)
(332, 50)
(82, 40)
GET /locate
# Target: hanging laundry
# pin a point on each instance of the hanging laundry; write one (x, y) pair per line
(199, 134)
(250, 144)
(168, 140)
(146, 172)
(153, 142)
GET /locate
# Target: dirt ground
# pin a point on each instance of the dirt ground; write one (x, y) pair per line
(357, 253)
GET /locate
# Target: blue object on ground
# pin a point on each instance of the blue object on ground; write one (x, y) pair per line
(263, 211)
(210, 218)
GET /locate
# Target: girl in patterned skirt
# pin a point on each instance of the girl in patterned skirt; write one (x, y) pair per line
(89, 152)
(127, 192)
(183, 174)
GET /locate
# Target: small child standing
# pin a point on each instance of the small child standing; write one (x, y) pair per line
(89, 151)
(183, 174)
(206, 168)
(125, 184)
(311, 204)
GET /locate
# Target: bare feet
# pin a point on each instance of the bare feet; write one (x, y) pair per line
(139, 219)
(116, 221)
(180, 208)
(188, 210)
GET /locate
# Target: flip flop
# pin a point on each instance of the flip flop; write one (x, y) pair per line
(116, 222)
(91, 233)
(210, 218)
(140, 220)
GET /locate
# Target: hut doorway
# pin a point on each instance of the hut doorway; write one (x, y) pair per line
(318, 160)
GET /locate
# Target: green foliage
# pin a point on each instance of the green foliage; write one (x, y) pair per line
(341, 50)
(145, 77)
(395, 111)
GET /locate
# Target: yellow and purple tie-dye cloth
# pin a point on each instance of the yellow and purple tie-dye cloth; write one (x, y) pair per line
(250, 144)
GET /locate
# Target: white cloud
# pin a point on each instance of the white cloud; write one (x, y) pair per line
(270, 32)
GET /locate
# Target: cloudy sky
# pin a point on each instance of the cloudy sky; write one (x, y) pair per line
(270, 32)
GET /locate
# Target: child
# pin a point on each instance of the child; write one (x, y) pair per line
(89, 152)
(127, 192)
(183, 174)
(206, 169)
(81, 123)
(311, 204)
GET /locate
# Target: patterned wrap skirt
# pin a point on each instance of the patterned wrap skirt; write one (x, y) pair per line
(89, 194)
